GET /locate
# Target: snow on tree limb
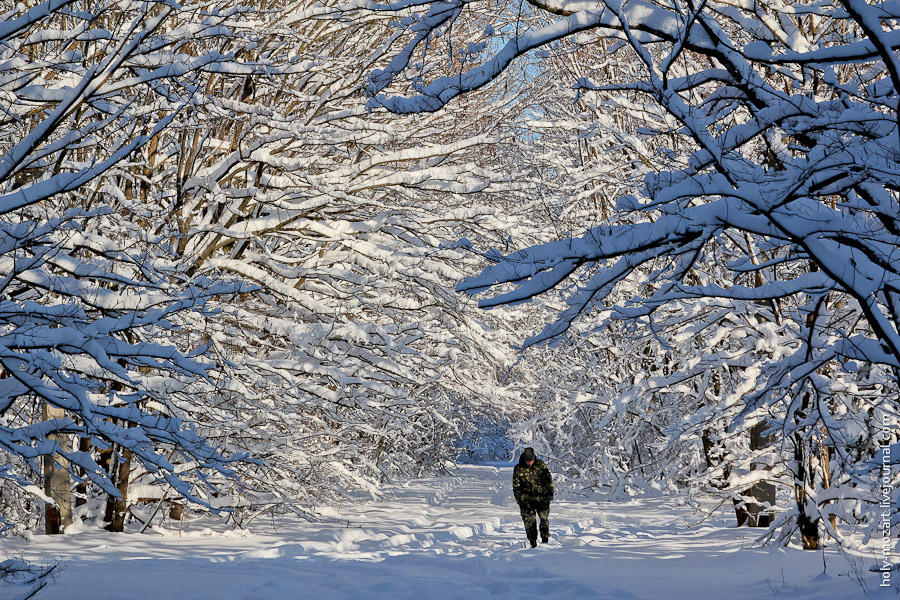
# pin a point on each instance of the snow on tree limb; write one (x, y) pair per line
(757, 222)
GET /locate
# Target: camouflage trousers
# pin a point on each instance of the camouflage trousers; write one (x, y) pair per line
(530, 518)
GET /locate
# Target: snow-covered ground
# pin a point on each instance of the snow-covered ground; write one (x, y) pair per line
(452, 537)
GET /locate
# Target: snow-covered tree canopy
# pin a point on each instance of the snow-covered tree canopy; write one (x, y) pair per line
(714, 195)
(795, 133)
(151, 151)
(355, 360)
(82, 301)
(759, 249)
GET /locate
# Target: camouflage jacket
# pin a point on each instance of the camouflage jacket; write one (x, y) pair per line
(533, 486)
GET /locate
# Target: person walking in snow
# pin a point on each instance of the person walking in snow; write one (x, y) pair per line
(533, 490)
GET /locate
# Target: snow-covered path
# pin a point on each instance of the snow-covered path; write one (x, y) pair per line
(454, 537)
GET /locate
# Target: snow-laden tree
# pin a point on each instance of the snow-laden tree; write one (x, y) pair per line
(760, 254)
(190, 143)
(87, 311)
(353, 360)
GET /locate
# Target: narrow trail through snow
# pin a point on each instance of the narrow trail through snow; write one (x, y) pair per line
(452, 537)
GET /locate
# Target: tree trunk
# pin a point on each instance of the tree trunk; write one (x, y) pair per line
(119, 472)
(809, 531)
(804, 475)
(809, 527)
(117, 508)
(84, 445)
(762, 491)
(826, 477)
(57, 482)
(740, 512)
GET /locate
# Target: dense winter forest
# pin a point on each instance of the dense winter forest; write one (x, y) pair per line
(248, 250)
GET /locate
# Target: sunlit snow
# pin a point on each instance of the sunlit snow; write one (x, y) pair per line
(453, 537)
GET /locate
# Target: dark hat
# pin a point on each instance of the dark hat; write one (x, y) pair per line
(528, 454)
